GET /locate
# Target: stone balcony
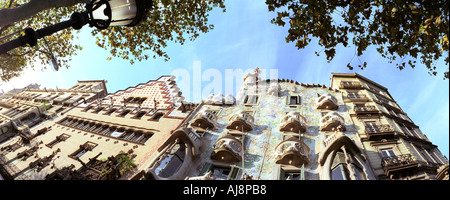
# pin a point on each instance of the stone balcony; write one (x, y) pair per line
(332, 122)
(227, 149)
(204, 119)
(241, 121)
(293, 122)
(292, 152)
(327, 101)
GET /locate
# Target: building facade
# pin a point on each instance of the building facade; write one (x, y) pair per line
(395, 146)
(271, 130)
(282, 129)
(108, 136)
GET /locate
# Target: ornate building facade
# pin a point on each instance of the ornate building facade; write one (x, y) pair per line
(282, 129)
(107, 136)
(395, 146)
(271, 130)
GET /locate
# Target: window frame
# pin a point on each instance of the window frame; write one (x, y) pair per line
(248, 100)
(298, 100)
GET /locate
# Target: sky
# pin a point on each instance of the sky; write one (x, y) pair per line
(244, 38)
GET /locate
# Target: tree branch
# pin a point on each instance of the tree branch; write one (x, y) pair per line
(25, 11)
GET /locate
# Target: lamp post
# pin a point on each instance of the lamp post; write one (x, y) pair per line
(99, 13)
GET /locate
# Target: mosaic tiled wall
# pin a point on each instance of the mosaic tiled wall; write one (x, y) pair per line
(259, 157)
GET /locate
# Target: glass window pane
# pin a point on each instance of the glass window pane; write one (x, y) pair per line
(336, 174)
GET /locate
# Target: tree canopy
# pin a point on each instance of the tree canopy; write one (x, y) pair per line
(169, 20)
(402, 31)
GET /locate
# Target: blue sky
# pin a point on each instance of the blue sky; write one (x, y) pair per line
(244, 38)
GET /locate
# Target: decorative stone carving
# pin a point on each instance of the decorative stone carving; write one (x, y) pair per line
(327, 101)
(241, 121)
(292, 152)
(332, 122)
(293, 122)
(227, 149)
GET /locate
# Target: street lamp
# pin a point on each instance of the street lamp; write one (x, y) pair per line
(99, 13)
(116, 12)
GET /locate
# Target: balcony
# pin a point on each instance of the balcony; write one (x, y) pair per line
(332, 122)
(293, 122)
(355, 97)
(292, 152)
(394, 165)
(205, 120)
(377, 132)
(227, 149)
(241, 121)
(350, 85)
(365, 110)
(327, 101)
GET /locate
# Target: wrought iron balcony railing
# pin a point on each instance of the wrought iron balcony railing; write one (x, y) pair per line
(378, 129)
(350, 85)
(365, 109)
(394, 165)
(398, 161)
(377, 132)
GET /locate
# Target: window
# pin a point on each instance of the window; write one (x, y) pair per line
(157, 116)
(286, 174)
(251, 99)
(387, 153)
(371, 126)
(293, 100)
(139, 114)
(145, 138)
(353, 95)
(346, 82)
(98, 109)
(172, 162)
(341, 171)
(377, 91)
(216, 112)
(433, 155)
(225, 173)
(123, 113)
(426, 156)
(411, 130)
(111, 110)
(88, 146)
(221, 173)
